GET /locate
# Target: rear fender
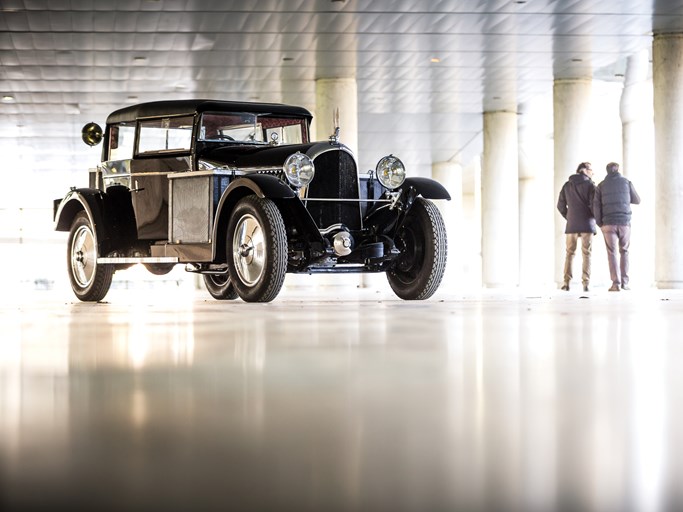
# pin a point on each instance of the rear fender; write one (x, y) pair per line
(118, 230)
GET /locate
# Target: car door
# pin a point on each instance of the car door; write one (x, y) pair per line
(163, 148)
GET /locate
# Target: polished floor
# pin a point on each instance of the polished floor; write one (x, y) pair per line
(324, 400)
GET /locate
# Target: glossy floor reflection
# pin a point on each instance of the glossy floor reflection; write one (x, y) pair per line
(170, 401)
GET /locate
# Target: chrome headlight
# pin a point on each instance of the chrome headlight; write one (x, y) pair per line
(391, 172)
(299, 169)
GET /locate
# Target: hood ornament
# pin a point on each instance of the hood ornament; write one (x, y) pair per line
(334, 138)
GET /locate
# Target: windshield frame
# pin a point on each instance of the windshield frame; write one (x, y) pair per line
(257, 121)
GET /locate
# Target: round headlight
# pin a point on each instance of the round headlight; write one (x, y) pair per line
(391, 172)
(299, 169)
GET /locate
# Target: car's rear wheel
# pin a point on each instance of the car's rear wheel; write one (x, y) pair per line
(220, 286)
(257, 249)
(159, 269)
(417, 272)
(90, 281)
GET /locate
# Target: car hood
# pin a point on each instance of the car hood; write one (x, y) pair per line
(244, 156)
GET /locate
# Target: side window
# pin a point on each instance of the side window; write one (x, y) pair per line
(168, 134)
(121, 141)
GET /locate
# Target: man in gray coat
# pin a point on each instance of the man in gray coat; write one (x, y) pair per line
(612, 208)
(574, 204)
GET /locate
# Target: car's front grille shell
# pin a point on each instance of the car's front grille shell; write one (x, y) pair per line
(336, 177)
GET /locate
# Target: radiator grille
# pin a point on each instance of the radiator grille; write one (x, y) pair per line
(336, 176)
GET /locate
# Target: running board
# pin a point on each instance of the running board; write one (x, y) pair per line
(149, 259)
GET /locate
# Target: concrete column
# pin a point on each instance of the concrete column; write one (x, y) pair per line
(667, 73)
(337, 95)
(500, 201)
(336, 104)
(535, 227)
(638, 164)
(449, 174)
(571, 109)
(471, 226)
(302, 94)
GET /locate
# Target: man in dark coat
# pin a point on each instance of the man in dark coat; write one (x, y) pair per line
(612, 208)
(574, 204)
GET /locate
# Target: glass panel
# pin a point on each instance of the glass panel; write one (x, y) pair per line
(170, 134)
(290, 134)
(250, 128)
(121, 141)
(231, 127)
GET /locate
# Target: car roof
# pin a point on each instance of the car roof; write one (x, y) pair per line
(180, 107)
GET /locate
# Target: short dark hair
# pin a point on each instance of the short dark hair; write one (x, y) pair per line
(582, 166)
(612, 167)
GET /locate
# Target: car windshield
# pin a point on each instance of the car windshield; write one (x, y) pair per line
(249, 128)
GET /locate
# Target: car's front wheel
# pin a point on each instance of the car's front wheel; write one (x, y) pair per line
(220, 286)
(90, 281)
(257, 249)
(417, 272)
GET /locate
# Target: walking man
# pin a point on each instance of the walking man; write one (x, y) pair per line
(575, 205)
(612, 208)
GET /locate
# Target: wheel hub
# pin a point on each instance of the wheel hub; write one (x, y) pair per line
(245, 250)
(249, 250)
(83, 256)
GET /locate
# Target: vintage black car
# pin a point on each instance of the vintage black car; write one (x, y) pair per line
(238, 193)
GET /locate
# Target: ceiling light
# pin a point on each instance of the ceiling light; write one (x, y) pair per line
(287, 59)
(435, 60)
(8, 99)
(139, 60)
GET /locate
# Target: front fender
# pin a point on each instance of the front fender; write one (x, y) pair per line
(263, 185)
(426, 187)
(386, 220)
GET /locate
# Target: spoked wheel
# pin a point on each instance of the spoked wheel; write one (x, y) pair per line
(417, 272)
(220, 286)
(257, 249)
(90, 281)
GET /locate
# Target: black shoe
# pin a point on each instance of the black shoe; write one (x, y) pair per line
(565, 287)
(585, 288)
(625, 287)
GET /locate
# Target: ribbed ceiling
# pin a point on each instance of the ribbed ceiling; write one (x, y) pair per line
(425, 70)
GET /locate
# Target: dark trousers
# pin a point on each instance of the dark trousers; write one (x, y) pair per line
(617, 238)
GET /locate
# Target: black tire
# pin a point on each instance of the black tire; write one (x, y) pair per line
(159, 269)
(257, 249)
(220, 286)
(417, 273)
(90, 281)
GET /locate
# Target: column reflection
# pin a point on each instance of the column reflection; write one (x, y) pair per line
(377, 404)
